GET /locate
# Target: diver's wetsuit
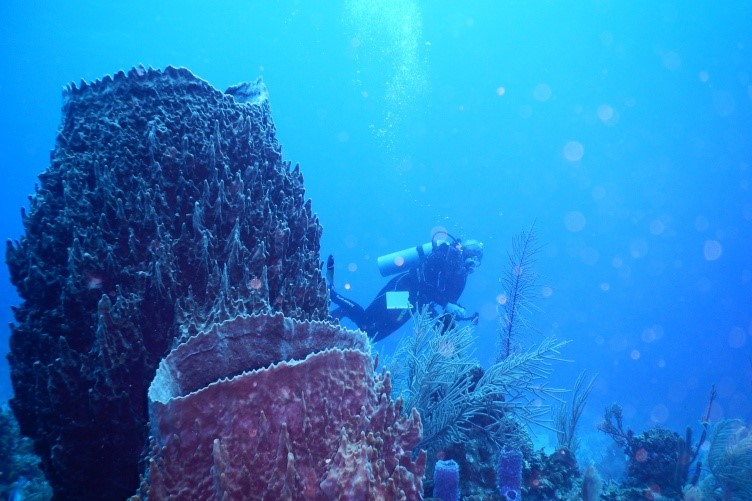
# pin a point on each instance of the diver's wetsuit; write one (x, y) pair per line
(437, 280)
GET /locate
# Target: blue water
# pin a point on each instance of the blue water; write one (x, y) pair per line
(621, 129)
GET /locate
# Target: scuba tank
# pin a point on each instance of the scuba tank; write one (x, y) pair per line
(403, 260)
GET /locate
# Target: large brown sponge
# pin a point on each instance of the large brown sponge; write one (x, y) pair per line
(266, 407)
(166, 207)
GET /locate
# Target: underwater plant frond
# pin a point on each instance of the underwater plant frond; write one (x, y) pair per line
(431, 357)
(432, 370)
(568, 416)
(519, 283)
(520, 380)
(435, 373)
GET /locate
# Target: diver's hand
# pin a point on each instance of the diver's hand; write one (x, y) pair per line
(454, 309)
(459, 313)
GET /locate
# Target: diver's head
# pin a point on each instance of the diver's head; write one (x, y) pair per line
(472, 254)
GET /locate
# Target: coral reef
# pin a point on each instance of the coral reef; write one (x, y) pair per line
(475, 458)
(20, 477)
(547, 477)
(659, 459)
(266, 407)
(654, 462)
(478, 457)
(166, 207)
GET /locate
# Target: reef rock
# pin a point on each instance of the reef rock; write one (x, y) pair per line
(266, 407)
(166, 208)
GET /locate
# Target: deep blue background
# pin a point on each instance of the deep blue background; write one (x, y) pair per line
(407, 116)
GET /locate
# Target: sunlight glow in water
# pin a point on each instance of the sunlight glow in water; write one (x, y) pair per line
(677, 391)
(351, 241)
(638, 248)
(737, 337)
(712, 250)
(659, 414)
(652, 333)
(617, 342)
(574, 221)
(657, 227)
(701, 223)
(391, 33)
(573, 151)
(589, 256)
(724, 103)
(605, 114)
(542, 92)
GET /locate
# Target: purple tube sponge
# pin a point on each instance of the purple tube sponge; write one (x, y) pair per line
(446, 480)
(509, 474)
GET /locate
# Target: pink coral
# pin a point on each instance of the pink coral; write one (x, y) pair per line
(266, 407)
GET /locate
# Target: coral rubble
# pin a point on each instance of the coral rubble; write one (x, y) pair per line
(166, 207)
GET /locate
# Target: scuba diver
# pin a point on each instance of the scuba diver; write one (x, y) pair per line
(432, 274)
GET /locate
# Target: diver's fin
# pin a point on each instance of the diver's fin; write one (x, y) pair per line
(330, 271)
